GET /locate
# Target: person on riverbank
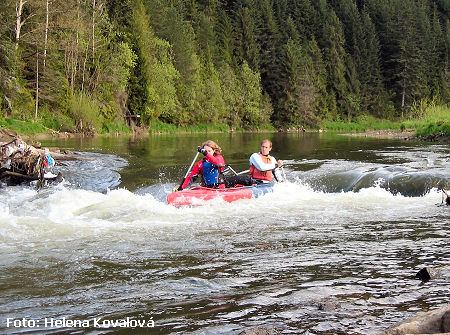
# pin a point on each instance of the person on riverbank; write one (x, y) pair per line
(210, 167)
(261, 170)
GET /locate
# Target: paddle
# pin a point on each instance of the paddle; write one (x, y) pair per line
(187, 172)
(232, 170)
(247, 171)
(283, 174)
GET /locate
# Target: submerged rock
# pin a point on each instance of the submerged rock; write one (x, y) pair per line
(426, 274)
(328, 305)
(260, 331)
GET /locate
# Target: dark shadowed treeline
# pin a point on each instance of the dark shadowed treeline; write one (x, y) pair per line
(88, 63)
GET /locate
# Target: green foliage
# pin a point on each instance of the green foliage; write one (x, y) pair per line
(161, 127)
(213, 104)
(361, 123)
(434, 120)
(441, 129)
(232, 94)
(57, 120)
(433, 114)
(246, 45)
(115, 70)
(115, 127)
(85, 111)
(252, 114)
(301, 89)
(157, 71)
(243, 63)
(23, 127)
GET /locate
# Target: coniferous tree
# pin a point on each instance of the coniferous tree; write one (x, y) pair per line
(252, 115)
(300, 92)
(336, 60)
(408, 76)
(158, 74)
(438, 59)
(233, 95)
(325, 103)
(247, 47)
(224, 37)
(191, 61)
(8, 63)
(306, 18)
(373, 95)
(447, 59)
(269, 39)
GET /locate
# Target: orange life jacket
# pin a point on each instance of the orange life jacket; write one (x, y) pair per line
(262, 175)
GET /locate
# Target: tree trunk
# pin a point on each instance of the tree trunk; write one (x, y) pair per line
(74, 53)
(403, 96)
(83, 76)
(37, 86)
(93, 30)
(19, 22)
(46, 32)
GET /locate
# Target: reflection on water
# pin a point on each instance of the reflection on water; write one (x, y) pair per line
(81, 251)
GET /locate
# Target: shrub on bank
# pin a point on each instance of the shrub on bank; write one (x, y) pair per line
(115, 127)
(362, 123)
(157, 126)
(433, 120)
(438, 128)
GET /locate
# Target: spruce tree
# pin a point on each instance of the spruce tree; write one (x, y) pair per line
(300, 92)
(373, 94)
(438, 59)
(338, 70)
(246, 47)
(224, 37)
(157, 72)
(271, 56)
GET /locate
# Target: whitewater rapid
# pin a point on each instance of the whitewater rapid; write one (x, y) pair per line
(28, 214)
(354, 232)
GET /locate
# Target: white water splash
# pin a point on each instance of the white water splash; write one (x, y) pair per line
(29, 215)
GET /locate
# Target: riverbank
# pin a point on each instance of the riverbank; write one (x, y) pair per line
(37, 131)
(386, 134)
(407, 135)
(431, 124)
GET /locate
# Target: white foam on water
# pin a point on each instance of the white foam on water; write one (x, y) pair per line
(28, 215)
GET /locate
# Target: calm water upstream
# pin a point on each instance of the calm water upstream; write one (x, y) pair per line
(356, 221)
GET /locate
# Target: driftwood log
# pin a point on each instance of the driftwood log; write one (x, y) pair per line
(21, 162)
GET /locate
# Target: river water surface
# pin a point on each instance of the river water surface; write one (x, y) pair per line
(332, 251)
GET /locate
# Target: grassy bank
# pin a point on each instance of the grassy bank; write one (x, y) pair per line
(24, 127)
(30, 128)
(434, 120)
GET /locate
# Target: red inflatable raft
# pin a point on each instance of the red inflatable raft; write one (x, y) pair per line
(196, 196)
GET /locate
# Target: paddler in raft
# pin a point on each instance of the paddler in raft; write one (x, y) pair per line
(210, 167)
(262, 167)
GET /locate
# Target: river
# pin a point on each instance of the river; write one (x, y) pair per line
(357, 219)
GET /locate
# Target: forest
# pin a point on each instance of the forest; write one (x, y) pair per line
(92, 64)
